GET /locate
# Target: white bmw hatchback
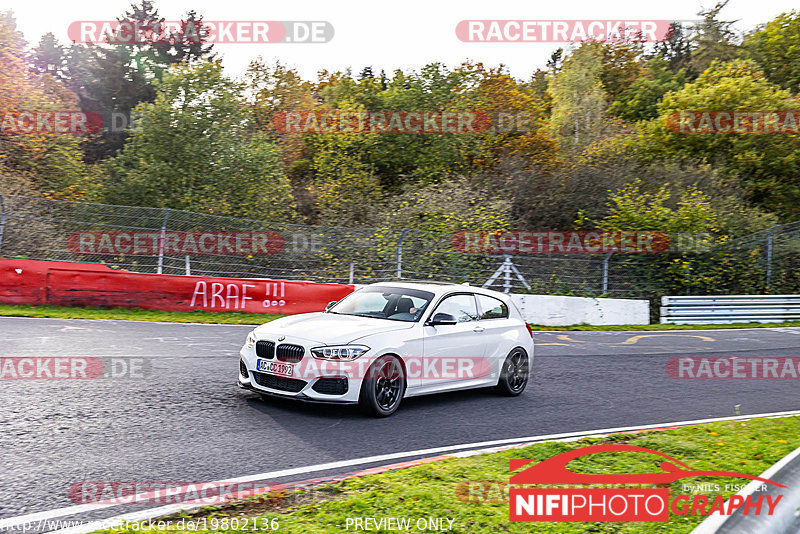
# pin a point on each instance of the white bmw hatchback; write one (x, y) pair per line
(388, 341)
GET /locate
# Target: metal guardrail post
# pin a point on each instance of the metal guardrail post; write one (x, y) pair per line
(400, 253)
(769, 254)
(727, 309)
(605, 273)
(161, 242)
(2, 220)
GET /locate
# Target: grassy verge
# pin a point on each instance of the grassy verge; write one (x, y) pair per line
(136, 314)
(432, 490)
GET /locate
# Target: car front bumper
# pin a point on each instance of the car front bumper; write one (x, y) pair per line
(300, 397)
(307, 377)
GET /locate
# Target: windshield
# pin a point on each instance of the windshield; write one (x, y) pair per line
(393, 303)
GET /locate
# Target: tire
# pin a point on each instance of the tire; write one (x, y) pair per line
(383, 387)
(515, 374)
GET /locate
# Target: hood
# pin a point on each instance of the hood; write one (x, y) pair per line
(329, 328)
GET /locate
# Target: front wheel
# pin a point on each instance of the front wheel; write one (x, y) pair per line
(383, 387)
(514, 374)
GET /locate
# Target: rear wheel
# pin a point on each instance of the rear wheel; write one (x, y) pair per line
(383, 387)
(514, 374)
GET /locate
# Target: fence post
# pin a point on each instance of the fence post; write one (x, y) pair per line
(161, 242)
(2, 220)
(188, 266)
(605, 273)
(351, 273)
(769, 255)
(400, 253)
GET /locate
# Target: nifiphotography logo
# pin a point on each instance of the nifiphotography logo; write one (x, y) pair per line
(619, 503)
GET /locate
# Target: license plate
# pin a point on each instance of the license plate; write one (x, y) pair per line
(276, 368)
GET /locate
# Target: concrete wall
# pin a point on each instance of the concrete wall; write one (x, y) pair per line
(551, 310)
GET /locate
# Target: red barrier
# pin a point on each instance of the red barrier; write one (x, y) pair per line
(90, 284)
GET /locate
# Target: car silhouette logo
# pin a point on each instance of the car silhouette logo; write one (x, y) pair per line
(554, 471)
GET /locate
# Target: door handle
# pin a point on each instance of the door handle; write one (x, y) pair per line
(478, 329)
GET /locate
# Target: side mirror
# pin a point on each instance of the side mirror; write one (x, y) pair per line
(330, 305)
(442, 319)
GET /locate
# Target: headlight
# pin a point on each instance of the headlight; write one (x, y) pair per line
(251, 340)
(339, 352)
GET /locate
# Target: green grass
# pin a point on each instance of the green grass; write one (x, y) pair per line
(136, 314)
(429, 490)
(651, 327)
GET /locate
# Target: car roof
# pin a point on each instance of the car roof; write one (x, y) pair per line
(440, 288)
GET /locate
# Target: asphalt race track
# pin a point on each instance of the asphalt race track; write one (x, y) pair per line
(188, 421)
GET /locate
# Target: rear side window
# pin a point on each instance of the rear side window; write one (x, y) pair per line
(492, 308)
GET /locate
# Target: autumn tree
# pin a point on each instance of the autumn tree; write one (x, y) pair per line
(776, 49)
(766, 165)
(713, 39)
(640, 101)
(111, 78)
(633, 209)
(579, 99)
(47, 162)
(195, 148)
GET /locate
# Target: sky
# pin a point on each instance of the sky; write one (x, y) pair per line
(387, 35)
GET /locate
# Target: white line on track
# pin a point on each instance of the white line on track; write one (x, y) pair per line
(8, 523)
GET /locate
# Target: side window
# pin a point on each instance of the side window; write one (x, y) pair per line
(462, 307)
(492, 308)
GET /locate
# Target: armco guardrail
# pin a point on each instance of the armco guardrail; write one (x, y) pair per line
(726, 309)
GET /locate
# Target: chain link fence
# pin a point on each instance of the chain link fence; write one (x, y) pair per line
(156, 240)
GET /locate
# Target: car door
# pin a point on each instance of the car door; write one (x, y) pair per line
(493, 317)
(454, 353)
